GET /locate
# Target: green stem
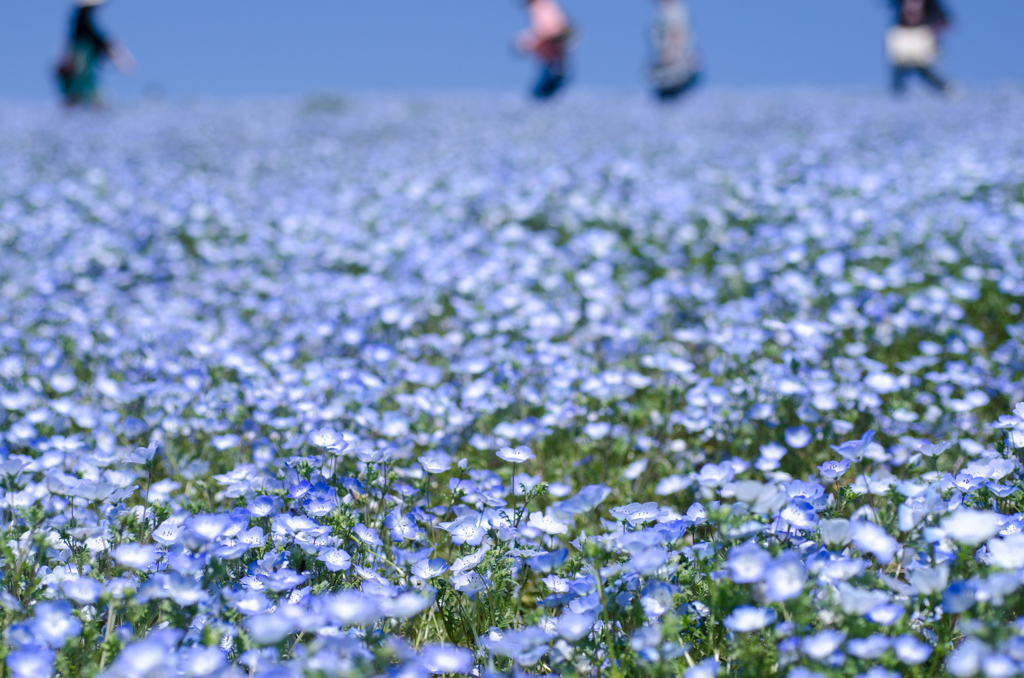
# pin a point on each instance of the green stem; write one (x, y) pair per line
(111, 616)
(515, 516)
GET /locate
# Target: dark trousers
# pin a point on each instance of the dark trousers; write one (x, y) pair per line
(552, 77)
(669, 93)
(900, 73)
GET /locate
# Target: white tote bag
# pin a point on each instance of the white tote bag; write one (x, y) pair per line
(909, 47)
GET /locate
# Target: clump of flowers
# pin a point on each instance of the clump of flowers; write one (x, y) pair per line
(279, 401)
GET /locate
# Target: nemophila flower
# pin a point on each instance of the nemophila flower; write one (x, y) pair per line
(555, 583)
(407, 605)
(471, 561)
(831, 470)
(886, 615)
(785, 577)
(633, 470)
(859, 601)
(547, 562)
(587, 499)
(120, 588)
(250, 602)
(705, 669)
(929, 580)
(800, 515)
(352, 608)
(225, 442)
(745, 619)
(966, 482)
(853, 450)
(516, 456)
(404, 557)
(262, 506)
(1007, 552)
(648, 561)
(872, 647)
(929, 449)
(144, 656)
(335, 559)
(53, 623)
(252, 538)
(469, 583)
(436, 462)
(466, 530)
(300, 489)
(142, 557)
(446, 659)
(326, 437)
(834, 531)
(402, 527)
(270, 628)
(994, 588)
(999, 490)
(671, 485)
(747, 562)
(910, 650)
(428, 569)
(970, 526)
(657, 598)
(175, 586)
(715, 475)
(82, 590)
(878, 672)
(798, 437)
(208, 526)
(30, 662)
(958, 597)
(573, 626)
(318, 504)
(283, 580)
(991, 468)
(822, 644)
(967, 658)
(646, 640)
(802, 672)
(366, 535)
(868, 536)
(203, 661)
(637, 514)
(547, 523)
(999, 666)
(881, 382)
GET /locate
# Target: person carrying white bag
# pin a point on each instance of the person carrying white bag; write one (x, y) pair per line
(912, 44)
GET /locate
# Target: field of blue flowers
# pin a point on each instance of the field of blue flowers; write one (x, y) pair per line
(455, 385)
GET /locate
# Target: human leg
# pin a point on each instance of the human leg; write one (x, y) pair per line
(552, 77)
(675, 91)
(899, 79)
(932, 78)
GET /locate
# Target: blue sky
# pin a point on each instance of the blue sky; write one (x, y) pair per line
(255, 47)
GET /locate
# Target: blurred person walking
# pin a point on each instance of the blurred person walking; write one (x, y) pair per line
(912, 44)
(87, 48)
(676, 64)
(547, 39)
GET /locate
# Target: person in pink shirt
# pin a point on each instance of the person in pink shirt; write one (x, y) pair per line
(547, 39)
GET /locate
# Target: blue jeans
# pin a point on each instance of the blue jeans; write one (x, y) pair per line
(552, 77)
(900, 73)
(669, 93)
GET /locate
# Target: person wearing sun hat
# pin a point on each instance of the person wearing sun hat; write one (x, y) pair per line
(87, 48)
